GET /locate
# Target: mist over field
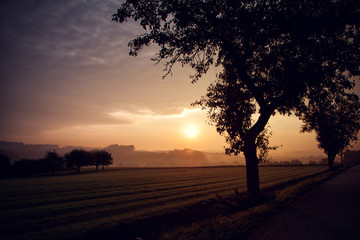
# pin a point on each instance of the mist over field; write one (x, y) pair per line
(129, 156)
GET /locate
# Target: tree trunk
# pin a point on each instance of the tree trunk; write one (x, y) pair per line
(78, 168)
(251, 159)
(341, 158)
(252, 170)
(331, 158)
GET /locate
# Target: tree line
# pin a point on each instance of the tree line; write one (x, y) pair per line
(53, 162)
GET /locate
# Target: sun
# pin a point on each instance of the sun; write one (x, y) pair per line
(191, 131)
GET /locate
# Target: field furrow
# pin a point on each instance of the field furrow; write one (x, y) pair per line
(37, 207)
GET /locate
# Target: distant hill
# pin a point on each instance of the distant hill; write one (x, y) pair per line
(126, 156)
(18, 150)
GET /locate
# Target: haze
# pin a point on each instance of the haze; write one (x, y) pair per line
(67, 78)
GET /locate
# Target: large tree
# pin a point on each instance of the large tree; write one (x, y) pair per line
(335, 118)
(274, 55)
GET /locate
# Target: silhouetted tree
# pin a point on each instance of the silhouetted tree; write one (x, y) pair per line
(5, 165)
(312, 162)
(78, 158)
(335, 118)
(52, 162)
(351, 158)
(274, 55)
(101, 157)
(296, 162)
(323, 161)
(28, 166)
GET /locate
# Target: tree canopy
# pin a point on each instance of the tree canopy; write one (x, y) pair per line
(102, 157)
(335, 118)
(78, 158)
(53, 161)
(274, 56)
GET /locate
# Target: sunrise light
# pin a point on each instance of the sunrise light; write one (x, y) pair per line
(191, 131)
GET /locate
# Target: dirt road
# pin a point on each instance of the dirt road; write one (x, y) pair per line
(331, 211)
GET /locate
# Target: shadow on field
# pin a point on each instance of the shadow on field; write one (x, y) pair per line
(153, 227)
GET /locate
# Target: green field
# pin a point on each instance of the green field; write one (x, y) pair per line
(64, 206)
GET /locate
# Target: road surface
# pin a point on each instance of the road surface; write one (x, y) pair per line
(331, 211)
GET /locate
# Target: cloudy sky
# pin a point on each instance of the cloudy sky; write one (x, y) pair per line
(67, 78)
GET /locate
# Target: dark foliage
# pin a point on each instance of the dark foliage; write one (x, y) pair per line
(335, 118)
(101, 157)
(351, 158)
(52, 162)
(78, 158)
(5, 165)
(28, 167)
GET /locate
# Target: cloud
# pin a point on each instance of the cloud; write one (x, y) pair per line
(65, 32)
(144, 114)
(137, 125)
(65, 65)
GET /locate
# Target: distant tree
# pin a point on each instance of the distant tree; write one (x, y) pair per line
(323, 161)
(101, 157)
(5, 165)
(312, 162)
(273, 54)
(296, 162)
(78, 158)
(186, 157)
(52, 161)
(342, 155)
(122, 148)
(351, 158)
(28, 166)
(335, 118)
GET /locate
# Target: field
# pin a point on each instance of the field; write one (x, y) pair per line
(67, 206)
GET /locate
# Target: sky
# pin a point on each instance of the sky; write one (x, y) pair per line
(66, 78)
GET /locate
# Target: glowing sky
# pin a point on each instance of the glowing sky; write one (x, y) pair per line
(67, 78)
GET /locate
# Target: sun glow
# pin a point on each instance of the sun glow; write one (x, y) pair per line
(191, 131)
